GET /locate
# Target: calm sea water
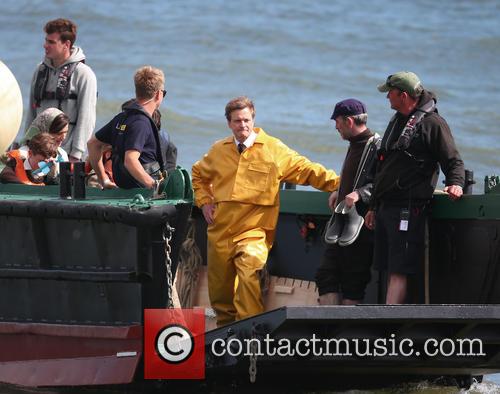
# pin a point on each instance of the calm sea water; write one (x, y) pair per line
(295, 58)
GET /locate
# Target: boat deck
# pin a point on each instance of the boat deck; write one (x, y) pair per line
(424, 340)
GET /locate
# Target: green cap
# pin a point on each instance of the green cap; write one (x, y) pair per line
(404, 80)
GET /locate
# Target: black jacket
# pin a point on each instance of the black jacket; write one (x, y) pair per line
(358, 170)
(411, 174)
(132, 128)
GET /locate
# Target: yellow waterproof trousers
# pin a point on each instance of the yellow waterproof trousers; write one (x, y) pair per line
(228, 259)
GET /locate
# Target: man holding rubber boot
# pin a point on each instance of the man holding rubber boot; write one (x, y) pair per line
(345, 269)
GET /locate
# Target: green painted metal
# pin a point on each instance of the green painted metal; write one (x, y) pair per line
(485, 206)
(178, 189)
(304, 202)
(14, 191)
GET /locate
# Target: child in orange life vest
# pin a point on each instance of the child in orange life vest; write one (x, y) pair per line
(27, 170)
(52, 121)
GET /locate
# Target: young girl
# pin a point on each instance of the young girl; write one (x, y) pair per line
(52, 121)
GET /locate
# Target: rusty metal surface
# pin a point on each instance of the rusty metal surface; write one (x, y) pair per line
(85, 371)
(37, 355)
(134, 331)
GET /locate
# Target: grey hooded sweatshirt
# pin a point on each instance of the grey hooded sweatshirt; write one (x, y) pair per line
(81, 112)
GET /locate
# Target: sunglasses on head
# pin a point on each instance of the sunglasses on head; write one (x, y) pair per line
(388, 82)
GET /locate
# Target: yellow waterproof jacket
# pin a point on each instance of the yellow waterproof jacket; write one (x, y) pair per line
(245, 188)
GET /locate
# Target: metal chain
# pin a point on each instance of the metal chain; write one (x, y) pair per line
(252, 369)
(167, 237)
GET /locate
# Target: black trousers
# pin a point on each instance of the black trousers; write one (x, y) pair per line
(347, 269)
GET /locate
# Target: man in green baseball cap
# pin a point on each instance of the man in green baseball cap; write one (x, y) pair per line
(416, 143)
(406, 81)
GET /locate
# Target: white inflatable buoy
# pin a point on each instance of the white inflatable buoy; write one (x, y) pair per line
(11, 107)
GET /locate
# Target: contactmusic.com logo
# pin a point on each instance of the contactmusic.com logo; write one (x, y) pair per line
(174, 344)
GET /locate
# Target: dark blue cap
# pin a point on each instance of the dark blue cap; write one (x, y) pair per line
(348, 107)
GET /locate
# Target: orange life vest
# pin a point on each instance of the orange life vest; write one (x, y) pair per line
(107, 163)
(19, 170)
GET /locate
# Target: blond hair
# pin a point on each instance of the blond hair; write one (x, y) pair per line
(148, 80)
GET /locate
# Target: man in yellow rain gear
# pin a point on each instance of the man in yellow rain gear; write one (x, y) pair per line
(236, 185)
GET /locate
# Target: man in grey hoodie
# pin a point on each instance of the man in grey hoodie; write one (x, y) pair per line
(63, 80)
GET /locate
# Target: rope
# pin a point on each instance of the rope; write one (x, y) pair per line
(265, 280)
(190, 262)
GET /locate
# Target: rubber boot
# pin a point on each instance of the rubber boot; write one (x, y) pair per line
(352, 226)
(335, 225)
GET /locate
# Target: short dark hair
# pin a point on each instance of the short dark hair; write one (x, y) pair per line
(59, 122)
(43, 144)
(65, 27)
(237, 103)
(417, 94)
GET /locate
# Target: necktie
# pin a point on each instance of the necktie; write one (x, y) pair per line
(241, 147)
